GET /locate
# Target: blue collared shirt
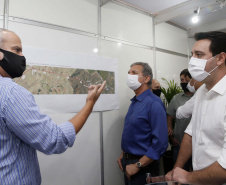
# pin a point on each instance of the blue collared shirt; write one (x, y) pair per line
(23, 130)
(145, 129)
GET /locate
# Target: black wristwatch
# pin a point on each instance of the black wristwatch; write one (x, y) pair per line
(138, 164)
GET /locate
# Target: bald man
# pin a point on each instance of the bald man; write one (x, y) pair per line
(155, 87)
(23, 129)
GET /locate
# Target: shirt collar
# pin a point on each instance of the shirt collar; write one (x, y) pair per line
(183, 94)
(220, 87)
(142, 95)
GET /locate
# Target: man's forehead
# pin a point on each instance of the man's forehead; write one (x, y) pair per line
(155, 82)
(11, 39)
(201, 46)
(136, 68)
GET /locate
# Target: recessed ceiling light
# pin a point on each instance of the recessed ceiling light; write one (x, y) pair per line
(195, 19)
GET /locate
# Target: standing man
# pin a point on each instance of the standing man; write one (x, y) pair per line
(23, 129)
(205, 137)
(144, 138)
(177, 134)
(155, 87)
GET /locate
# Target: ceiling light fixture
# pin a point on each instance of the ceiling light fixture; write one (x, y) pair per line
(195, 18)
(95, 50)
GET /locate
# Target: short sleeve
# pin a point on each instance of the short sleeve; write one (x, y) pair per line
(189, 129)
(185, 111)
(171, 110)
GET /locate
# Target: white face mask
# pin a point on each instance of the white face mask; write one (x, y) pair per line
(197, 68)
(191, 88)
(132, 82)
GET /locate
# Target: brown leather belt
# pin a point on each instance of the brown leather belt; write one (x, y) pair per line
(131, 156)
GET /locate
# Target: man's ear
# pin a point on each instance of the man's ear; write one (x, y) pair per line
(221, 59)
(148, 78)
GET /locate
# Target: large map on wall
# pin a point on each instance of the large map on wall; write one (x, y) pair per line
(59, 80)
(56, 80)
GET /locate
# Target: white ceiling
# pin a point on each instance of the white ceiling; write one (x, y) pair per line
(180, 12)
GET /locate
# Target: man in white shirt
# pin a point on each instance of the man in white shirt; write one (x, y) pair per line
(205, 136)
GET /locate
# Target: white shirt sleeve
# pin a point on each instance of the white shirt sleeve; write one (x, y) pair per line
(185, 111)
(222, 159)
(189, 129)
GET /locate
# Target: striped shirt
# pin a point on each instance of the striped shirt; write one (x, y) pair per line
(23, 130)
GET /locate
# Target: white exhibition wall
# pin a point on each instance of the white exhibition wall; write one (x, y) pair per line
(171, 38)
(53, 39)
(79, 14)
(177, 65)
(126, 24)
(80, 165)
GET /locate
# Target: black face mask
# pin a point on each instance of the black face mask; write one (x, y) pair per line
(13, 64)
(184, 87)
(157, 92)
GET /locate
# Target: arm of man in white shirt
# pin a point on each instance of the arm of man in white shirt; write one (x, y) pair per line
(185, 111)
(213, 174)
(184, 154)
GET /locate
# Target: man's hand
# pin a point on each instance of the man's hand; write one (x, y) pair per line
(180, 175)
(170, 131)
(177, 174)
(119, 162)
(79, 119)
(131, 170)
(94, 92)
(168, 176)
